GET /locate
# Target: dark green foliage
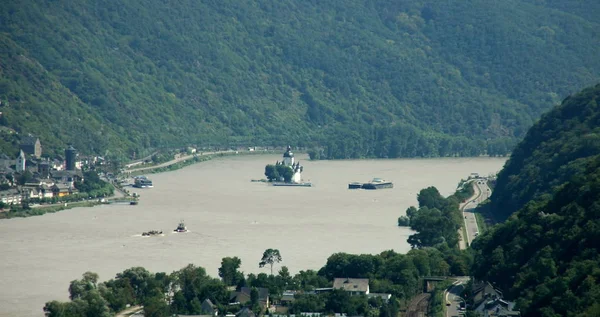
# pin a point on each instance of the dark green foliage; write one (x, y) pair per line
(309, 279)
(547, 254)
(394, 273)
(307, 303)
(271, 172)
(156, 307)
(555, 149)
(279, 171)
(403, 221)
(270, 257)
(229, 271)
(194, 287)
(437, 219)
(350, 79)
(93, 186)
(183, 291)
(86, 297)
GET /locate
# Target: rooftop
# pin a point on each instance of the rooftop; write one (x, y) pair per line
(29, 140)
(352, 284)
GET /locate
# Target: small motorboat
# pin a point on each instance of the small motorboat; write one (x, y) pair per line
(181, 227)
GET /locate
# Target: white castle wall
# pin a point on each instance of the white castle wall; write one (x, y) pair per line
(297, 178)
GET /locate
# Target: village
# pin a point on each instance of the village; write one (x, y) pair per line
(32, 178)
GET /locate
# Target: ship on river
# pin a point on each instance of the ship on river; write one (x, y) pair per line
(142, 182)
(376, 183)
(181, 227)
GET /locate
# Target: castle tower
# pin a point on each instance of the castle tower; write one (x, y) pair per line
(288, 157)
(70, 157)
(21, 161)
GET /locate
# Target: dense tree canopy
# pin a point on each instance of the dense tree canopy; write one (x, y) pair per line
(555, 149)
(546, 255)
(351, 79)
(438, 219)
(183, 291)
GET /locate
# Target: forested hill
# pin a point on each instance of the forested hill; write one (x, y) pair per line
(547, 256)
(357, 78)
(554, 150)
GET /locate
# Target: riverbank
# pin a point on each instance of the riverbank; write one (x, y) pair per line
(44, 209)
(181, 162)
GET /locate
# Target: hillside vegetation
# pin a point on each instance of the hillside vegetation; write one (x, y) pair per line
(546, 255)
(351, 79)
(554, 150)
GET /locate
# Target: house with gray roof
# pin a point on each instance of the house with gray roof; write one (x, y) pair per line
(488, 302)
(208, 308)
(11, 196)
(243, 296)
(355, 286)
(245, 312)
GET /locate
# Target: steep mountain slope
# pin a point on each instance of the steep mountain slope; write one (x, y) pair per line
(546, 255)
(554, 149)
(359, 78)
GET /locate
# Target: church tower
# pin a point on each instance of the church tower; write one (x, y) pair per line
(21, 161)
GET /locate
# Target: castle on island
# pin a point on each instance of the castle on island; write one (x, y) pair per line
(288, 160)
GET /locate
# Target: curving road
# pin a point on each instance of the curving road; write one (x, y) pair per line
(452, 296)
(482, 193)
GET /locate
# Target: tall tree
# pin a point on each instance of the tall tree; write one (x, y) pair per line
(270, 257)
(229, 270)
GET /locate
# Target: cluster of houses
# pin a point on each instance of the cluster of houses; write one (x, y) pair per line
(487, 300)
(46, 178)
(279, 307)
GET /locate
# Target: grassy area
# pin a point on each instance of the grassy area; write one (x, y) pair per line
(437, 305)
(21, 213)
(464, 234)
(484, 217)
(481, 225)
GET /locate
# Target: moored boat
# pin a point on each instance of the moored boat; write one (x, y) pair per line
(142, 182)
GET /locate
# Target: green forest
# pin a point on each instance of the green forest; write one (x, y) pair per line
(554, 150)
(347, 79)
(546, 256)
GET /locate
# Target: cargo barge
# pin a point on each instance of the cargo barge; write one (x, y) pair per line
(376, 183)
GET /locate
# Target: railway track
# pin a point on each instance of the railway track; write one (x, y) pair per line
(418, 306)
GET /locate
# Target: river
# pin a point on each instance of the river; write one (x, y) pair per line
(227, 215)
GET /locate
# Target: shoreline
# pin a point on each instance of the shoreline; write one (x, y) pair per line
(173, 165)
(121, 193)
(187, 160)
